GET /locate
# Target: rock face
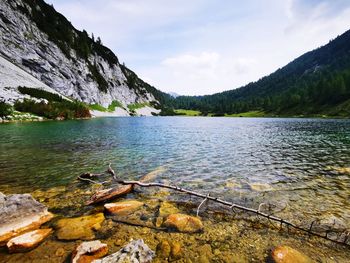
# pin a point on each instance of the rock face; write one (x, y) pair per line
(95, 77)
(285, 254)
(184, 223)
(79, 227)
(86, 252)
(134, 252)
(124, 207)
(20, 213)
(28, 240)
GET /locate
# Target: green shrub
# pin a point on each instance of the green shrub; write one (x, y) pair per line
(54, 109)
(114, 104)
(40, 94)
(5, 109)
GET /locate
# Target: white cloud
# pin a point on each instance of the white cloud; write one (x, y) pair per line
(202, 47)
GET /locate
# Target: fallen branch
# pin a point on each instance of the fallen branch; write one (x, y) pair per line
(110, 193)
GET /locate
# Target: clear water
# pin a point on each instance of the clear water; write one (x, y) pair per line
(294, 164)
(294, 160)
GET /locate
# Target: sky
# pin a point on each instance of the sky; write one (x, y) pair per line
(197, 47)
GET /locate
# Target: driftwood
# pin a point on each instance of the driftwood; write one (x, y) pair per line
(343, 238)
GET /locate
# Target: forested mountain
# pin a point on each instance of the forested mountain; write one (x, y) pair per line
(318, 82)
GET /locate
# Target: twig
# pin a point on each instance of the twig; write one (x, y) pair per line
(206, 199)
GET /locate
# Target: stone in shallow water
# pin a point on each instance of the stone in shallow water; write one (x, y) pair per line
(79, 227)
(124, 207)
(285, 254)
(167, 208)
(184, 223)
(28, 240)
(260, 187)
(20, 213)
(134, 252)
(86, 252)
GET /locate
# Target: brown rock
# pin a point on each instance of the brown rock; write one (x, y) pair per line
(107, 194)
(27, 241)
(285, 254)
(163, 249)
(20, 213)
(79, 227)
(184, 223)
(86, 252)
(60, 252)
(123, 208)
(176, 250)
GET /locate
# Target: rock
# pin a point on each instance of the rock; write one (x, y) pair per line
(153, 175)
(163, 249)
(167, 208)
(176, 250)
(134, 252)
(86, 252)
(159, 221)
(79, 227)
(60, 252)
(28, 240)
(285, 254)
(124, 207)
(205, 253)
(20, 213)
(107, 194)
(184, 223)
(260, 187)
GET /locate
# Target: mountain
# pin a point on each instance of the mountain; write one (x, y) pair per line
(316, 83)
(44, 44)
(174, 94)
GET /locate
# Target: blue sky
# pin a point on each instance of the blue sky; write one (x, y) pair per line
(196, 47)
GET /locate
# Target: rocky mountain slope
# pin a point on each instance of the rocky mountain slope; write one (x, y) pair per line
(44, 44)
(12, 77)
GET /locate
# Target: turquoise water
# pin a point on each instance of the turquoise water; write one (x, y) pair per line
(247, 160)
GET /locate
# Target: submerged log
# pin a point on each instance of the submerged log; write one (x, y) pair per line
(107, 194)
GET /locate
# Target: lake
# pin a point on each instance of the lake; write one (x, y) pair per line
(294, 164)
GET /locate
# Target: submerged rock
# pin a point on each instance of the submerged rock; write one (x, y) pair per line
(167, 208)
(86, 252)
(184, 223)
(260, 187)
(134, 252)
(79, 227)
(20, 213)
(285, 254)
(124, 207)
(154, 174)
(167, 249)
(28, 240)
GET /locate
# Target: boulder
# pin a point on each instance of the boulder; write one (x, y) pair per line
(28, 241)
(135, 252)
(79, 227)
(154, 174)
(86, 252)
(20, 213)
(123, 208)
(285, 254)
(184, 223)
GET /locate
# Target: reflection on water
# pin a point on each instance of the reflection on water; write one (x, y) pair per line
(293, 161)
